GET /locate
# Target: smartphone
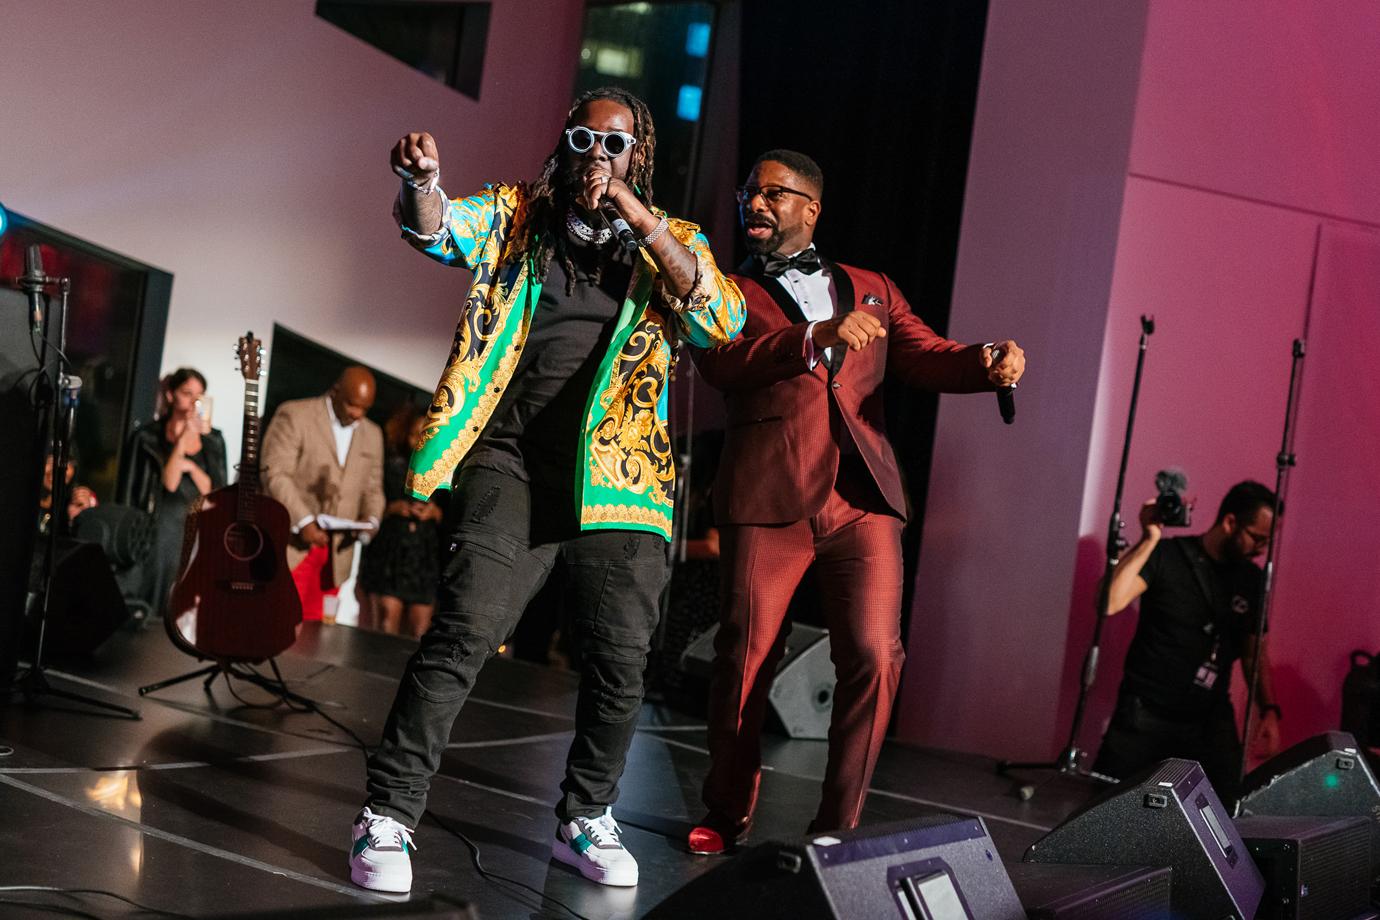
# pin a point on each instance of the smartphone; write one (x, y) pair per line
(203, 412)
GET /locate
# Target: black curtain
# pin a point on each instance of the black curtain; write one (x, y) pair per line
(882, 95)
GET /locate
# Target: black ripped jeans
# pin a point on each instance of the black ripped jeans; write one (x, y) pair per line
(499, 558)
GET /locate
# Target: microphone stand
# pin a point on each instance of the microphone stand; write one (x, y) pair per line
(1068, 761)
(34, 681)
(1284, 461)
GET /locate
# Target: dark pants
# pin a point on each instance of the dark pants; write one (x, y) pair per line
(1140, 736)
(499, 557)
(856, 553)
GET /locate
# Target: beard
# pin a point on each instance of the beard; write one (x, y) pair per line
(766, 244)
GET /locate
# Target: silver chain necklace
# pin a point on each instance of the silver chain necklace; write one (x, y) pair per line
(584, 231)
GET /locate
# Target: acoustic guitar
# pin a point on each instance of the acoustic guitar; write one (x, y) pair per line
(235, 599)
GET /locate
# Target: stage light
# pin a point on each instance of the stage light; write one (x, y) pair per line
(4, 220)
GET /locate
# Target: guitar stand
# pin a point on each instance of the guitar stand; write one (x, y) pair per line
(274, 684)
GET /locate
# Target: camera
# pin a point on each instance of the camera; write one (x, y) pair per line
(1171, 508)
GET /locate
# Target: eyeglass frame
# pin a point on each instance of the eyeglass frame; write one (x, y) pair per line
(597, 137)
(741, 193)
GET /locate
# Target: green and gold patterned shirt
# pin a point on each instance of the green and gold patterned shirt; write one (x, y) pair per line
(626, 474)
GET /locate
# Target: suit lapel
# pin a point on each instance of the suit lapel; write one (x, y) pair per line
(775, 289)
(327, 426)
(844, 303)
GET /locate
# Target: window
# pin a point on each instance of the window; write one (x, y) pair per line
(444, 40)
(660, 52)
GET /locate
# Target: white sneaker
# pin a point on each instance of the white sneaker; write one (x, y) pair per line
(379, 857)
(592, 845)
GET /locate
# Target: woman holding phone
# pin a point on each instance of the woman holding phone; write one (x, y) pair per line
(171, 462)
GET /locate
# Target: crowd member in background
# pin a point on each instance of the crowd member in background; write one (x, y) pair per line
(323, 459)
(1199, 610)
(170, 463)
(397, 576)
(79, 497)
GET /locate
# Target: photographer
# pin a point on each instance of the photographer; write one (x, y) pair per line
(1199, 609)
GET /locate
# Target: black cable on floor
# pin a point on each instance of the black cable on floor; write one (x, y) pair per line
(490, 877)
(495, 876)
(72, 911)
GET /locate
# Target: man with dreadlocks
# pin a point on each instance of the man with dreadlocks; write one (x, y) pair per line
(549, 427)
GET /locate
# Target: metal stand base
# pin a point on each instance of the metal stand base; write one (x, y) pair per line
(274, 684)
(34, 683)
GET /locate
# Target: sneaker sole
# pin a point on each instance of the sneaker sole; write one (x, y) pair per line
(616, 878)
(381, 881)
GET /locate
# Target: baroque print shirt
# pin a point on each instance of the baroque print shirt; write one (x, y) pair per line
(625, 477)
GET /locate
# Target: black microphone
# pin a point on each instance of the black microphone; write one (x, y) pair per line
(32, 283)
(1006, 396)
(618, 225)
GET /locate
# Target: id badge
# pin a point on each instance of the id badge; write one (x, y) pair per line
(1207, 674)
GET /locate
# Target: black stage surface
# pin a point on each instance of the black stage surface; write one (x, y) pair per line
(209, 806)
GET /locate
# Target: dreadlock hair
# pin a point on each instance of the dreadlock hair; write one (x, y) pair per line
(541, 220)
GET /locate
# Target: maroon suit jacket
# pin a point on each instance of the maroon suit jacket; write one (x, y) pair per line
(785, 420)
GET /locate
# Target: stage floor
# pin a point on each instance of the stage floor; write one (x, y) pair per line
(208, 805)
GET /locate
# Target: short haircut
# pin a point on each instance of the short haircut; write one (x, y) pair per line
(1245, 500)
(798, 163)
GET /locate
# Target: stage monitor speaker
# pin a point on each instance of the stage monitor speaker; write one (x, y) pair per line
(802, 693)
(938, 867)
(434, 907)
(1314, 868)
(1325, 776)
(1051, 891)
(87, 606)
(1168, 815)
(21, 471)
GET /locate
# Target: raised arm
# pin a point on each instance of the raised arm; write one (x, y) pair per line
(453, 232)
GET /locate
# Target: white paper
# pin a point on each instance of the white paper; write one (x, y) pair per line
(331, 522)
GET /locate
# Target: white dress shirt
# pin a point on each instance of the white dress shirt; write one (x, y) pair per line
(815, 295)
(344, 434)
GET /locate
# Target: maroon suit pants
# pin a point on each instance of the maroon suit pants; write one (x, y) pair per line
(856, 549)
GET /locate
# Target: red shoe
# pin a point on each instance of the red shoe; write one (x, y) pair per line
(705, 841)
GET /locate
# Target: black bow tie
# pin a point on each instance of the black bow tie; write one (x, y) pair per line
(774, 265)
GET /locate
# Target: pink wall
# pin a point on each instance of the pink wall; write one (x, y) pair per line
(1254, 155)
(1251, 168)
(243, 147)
(1048, 168)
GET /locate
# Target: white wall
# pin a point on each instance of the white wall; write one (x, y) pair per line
(243, 147)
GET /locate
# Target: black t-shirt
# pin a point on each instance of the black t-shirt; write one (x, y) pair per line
(1195, 616)
(534, 433)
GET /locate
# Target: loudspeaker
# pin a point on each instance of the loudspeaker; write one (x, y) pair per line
(125, 534)
(1051, 891)
(1168, 815)
(87, 606)
(1325, 776)
(802, 693)
(1314, 868)
(21, 470)
(940, 867)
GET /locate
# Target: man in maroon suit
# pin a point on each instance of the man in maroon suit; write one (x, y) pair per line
(808, 476)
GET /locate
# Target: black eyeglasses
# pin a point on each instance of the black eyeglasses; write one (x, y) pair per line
(773, 193)
(1259, 539)
(580, 139)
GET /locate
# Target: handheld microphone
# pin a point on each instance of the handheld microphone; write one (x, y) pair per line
(1006, 396)
(620, 227)
(32, 283)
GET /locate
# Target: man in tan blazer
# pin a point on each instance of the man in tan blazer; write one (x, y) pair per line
(321, 456)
